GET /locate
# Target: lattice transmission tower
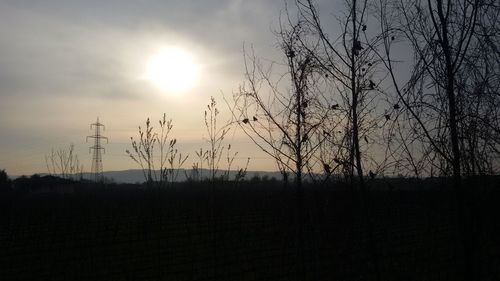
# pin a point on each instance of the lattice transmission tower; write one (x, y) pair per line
(96, 150)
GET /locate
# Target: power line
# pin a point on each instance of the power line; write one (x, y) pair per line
(96, 149)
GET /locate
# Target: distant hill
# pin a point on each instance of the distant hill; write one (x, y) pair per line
(136, 175)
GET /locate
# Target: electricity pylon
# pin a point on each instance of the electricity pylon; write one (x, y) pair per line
(97, 148)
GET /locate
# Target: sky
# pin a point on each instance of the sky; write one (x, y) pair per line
(64, 63)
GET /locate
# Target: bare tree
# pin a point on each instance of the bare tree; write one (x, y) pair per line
(196, 173)
(349, 60)
(284, 121)
(348, 56)
(478, 93)
(64, 163)
(215, 138)
(143, 153)
(451, 97)
(284, 114)
(170, 157)
(440, 34)
(218, 150)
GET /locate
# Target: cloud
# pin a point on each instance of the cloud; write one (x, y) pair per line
(68, 47)
(62, 63)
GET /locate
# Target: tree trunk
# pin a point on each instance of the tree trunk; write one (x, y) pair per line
(355, 91)
(298, 183)
(463, 226)
(300, 217)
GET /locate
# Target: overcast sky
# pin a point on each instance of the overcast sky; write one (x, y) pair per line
(63, 63)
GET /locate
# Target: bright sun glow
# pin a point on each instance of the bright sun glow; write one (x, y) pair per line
(172, 70)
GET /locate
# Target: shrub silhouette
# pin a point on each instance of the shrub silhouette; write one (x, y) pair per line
(5, 182)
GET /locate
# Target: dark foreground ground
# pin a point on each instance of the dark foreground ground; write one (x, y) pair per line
(130, 234)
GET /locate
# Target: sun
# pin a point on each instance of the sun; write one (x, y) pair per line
(172, 70)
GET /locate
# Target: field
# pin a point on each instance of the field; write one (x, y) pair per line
(246, 232)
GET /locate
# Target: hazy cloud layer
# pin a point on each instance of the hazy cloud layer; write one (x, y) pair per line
(62, 63)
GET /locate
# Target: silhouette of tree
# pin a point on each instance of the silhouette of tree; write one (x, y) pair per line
(143, 153)
(5, 182)
(442, 35)
(451, 97)
(64, 163)
(478, 95)
(213, 156)
(286, 121)
(286, 114)
(348, 58)
(170, 157)
(215, 140)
